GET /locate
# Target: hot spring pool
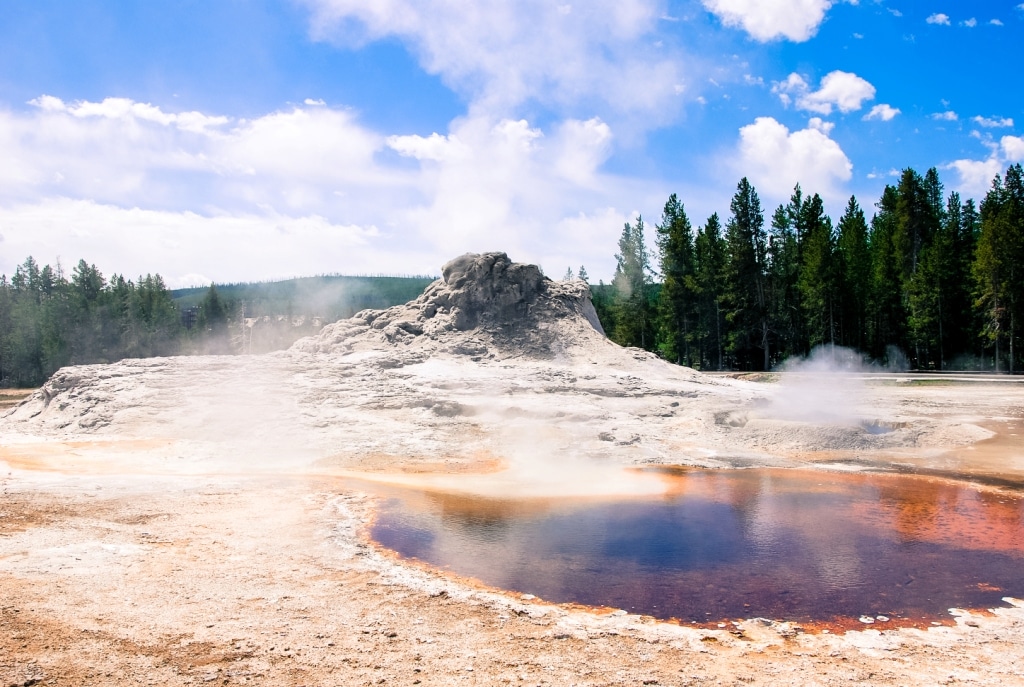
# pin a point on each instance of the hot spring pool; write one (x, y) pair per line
(808, 546)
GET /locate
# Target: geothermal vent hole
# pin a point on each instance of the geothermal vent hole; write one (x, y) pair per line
(881, 426)
(827, 549)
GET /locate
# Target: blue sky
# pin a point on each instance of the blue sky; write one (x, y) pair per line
(235, 140)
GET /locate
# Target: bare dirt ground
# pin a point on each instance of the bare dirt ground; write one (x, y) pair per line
(188, 521)
(265, 581)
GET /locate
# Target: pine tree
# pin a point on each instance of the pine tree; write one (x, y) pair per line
(783, 273)
(676, 299)
(582, 274)
(967, 337)
(854, 263)
(997, 265)
(746, 280)
(709, 271)
(1014, 210)
(632, 299)
(918, 218)
(818, 281)
(887, 313)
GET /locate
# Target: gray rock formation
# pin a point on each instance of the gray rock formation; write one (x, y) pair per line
(483, 305)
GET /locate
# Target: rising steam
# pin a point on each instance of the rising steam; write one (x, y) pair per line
(824, 388)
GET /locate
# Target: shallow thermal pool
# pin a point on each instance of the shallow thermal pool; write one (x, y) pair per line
(810, 546)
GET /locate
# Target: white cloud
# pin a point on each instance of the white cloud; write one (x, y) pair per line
(882, 112)
(433, 147)
(976, 175)
(938, 18)
(947, 116)
(511, 52)
(993, 122)
(581, 148)
(969, 23)
(995, 22)
(766, 20)
(844, 90)
(127, 153)
(313, 172)
(894, 12)
(776, 159)
(503, 176)
(1012, 148)
(133, 240)
(125, 109)
(819, 124)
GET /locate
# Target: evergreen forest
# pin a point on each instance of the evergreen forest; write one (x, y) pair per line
(49, 319)
(930, 282)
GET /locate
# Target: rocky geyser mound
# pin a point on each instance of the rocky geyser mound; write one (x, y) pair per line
(482, 306)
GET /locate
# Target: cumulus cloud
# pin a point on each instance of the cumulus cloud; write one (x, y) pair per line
(939, 19)
(124, 152)
(502, 175)
(766, 20)
(126, 239)
(433, 147)
(995, 22)
(125, 109)
(882, 112)
(843, 90)
(582, 146)
(993, 122)
(969, 23)
(975, 176)
(776, 158)
(510, 52)
(314, 173)
(1012, 148)
(947, 116)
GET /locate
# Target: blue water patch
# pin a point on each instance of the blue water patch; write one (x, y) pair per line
(788, 545)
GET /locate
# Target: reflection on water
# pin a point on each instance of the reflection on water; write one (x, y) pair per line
(793, 545)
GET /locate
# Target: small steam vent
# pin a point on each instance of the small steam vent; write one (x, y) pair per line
(483, 305)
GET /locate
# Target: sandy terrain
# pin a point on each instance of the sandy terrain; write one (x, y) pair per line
(182, 521)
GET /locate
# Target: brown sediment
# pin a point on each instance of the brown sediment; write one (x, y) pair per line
(383, 464)
(108, 456)
(235, 581)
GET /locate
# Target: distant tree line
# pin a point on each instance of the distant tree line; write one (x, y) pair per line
(931, 281)
(49, 319)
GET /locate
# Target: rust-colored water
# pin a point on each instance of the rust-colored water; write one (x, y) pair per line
(811, 546)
